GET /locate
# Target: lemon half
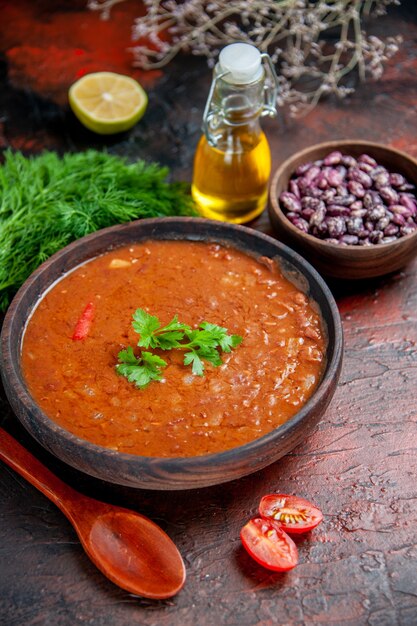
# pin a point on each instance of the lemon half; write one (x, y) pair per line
(107, 103)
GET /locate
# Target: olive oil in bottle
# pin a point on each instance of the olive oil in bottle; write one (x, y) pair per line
(232, 163)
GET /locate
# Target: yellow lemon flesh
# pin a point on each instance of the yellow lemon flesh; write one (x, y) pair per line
(107, 103)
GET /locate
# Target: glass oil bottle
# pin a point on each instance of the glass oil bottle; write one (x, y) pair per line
(232, 163)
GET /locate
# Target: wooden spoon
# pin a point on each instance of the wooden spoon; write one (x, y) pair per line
(127, 547)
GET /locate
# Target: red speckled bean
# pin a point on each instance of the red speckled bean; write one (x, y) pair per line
(318, 216)
(410, 204)
(313, 191)
(365, 167)
(376, 212)
(292, 216)
(383, 223)
(381, 180)
(389, 195)
(356, 189)
(390, 230)
(336, 209)
(398, 219)
(350, 240)
(294, 189)
(406, 187)
(334, 158)
(378, 170)
(396, 180)
(375, 236)
(399, 209)
(360, 177)
(290, 201)
(354, 225)
(345, 200)
(336, 226)
(321, 181)
(334, 177)
(307, 213)
(311, 174)
(365, 158)
(408, 229)
(349, 161)
(301, 224)
(303, 168)
(371, 198)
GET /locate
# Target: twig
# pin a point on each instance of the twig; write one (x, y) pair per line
(296, 33)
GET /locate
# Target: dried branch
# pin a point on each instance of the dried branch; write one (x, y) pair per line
(314, 45)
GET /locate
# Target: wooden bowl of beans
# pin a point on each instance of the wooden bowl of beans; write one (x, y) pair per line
(348, 206)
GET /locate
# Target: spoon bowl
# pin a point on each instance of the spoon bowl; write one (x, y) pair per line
(130, 549)
(130, 545)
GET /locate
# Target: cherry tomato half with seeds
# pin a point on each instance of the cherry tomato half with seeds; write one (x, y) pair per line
(269, 545)
(293, 514)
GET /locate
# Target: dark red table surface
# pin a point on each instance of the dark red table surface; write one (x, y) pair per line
(359, 566)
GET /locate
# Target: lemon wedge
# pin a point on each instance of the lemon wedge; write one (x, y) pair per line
(107, 103)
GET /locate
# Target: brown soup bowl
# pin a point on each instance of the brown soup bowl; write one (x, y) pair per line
(350, 262)
(153, 472)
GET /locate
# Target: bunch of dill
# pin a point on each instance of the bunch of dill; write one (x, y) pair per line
(47, 201)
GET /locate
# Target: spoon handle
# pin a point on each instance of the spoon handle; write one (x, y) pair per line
(25, 464)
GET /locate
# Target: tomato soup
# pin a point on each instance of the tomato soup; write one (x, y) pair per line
(260, 384)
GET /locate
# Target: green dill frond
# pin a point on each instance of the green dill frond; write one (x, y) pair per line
(47, 201)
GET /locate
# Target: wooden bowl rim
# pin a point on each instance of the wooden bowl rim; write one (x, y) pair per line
(361, 251)
(141, 464)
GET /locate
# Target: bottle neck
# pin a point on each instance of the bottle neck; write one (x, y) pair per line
(238, 102)
(232, 106)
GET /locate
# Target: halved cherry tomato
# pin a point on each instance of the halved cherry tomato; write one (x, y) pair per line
(269, 545)
(82, 327)
(294, 515)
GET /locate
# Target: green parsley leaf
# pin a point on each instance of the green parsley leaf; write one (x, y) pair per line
(208, 337)
(197, 363)
(229, 342)
(214, 329)
(219, 334)
(153, 362)
(140, 370)
(145, 325)
(169, 336)
(128, 356)
(153, 336)
(169, 340)
(197, 356)
(174, 324)
(210, 354)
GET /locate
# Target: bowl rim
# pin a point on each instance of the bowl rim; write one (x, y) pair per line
(13, 375)
(321, 243)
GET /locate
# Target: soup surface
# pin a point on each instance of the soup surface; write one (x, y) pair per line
(261, 384)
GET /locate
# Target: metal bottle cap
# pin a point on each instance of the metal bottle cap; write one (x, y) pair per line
(241, 63)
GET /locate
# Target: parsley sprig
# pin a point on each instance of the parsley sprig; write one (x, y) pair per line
(201, 344)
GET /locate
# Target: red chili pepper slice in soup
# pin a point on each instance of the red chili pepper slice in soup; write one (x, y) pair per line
(269, 545)
(294, 515)
(83, 326)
